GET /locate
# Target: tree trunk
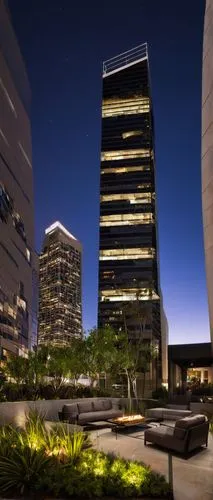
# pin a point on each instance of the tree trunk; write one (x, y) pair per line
(134, 388)
(129, 390)
(143, 388)
(93, 380)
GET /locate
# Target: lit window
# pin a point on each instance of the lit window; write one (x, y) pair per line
(108, 275)
(122, 106)
(133, 133)
(10, 102)
(125, 154)
(127, 253)
(21, 303)
(128, 294)
(28, 254)
(25, 155)
(3, 137)
(131, 197)
(126, 219)
(125, 170)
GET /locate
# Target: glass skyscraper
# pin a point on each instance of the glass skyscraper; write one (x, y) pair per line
(207, 153)
(128, 255)
(18, 262)
(60, 309)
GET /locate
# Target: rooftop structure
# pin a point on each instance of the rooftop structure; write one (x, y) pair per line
(125, 59)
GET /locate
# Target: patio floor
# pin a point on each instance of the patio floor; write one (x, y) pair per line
(192, 478)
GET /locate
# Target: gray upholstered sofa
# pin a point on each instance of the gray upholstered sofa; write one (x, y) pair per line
(89, 411)
(187, 434)
(171, 412)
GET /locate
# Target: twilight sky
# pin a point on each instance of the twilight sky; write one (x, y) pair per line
(64, 44)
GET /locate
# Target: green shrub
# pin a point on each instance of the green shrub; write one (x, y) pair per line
(22, 469)
(65, 445)
(24, 392)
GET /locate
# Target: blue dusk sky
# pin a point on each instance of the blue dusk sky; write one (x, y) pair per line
(64, 44)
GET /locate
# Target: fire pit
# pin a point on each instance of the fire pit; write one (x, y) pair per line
(120, 424)
(128, 420)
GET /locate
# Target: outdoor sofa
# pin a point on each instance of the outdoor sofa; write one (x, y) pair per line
(90, 411)
(170, 412)
(188, 434)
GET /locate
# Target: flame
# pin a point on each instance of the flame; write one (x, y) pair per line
(128, 419)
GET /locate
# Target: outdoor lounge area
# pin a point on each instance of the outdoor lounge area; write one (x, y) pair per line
(192, 476)
(169, 431)
(149, 444)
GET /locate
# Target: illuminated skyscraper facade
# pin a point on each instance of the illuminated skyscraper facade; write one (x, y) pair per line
(207, 153)
(17, 257)
(128, 255)
(60, 310)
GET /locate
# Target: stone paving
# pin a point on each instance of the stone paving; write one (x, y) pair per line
(192, 478)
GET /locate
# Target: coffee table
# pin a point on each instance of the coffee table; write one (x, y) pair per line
(122, 425)
(97, 425)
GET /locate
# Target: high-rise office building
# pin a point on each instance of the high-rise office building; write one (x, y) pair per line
(207, 152)
(17, 258)
(60, 310)
(128, 255)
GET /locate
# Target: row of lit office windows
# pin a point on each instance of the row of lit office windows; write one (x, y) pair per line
(125, 170)
(127, 253)
(130, 294)
(125, 154)
(129, 106)
(131, 197)
(133, 187)
(126, 219)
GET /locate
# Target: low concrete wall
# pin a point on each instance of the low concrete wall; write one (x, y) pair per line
(202, 408)
(16, 412)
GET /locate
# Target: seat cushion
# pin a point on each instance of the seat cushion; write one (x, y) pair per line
(98, 405)
(158, 432)
(177, 407)
(113, 413)
(95, 416)
(169, 414)
(85, 407)
(155, 413)
(92, 416)
(189, 422)
(107, 404)
(164, 436)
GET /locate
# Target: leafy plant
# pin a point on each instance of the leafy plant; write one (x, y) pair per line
(22, 470)
(35, 430)
(67, 446)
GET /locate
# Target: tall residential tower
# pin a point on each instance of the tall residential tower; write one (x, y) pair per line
(60, 311)
(17, 257)
(207, 153)
(128, 256)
